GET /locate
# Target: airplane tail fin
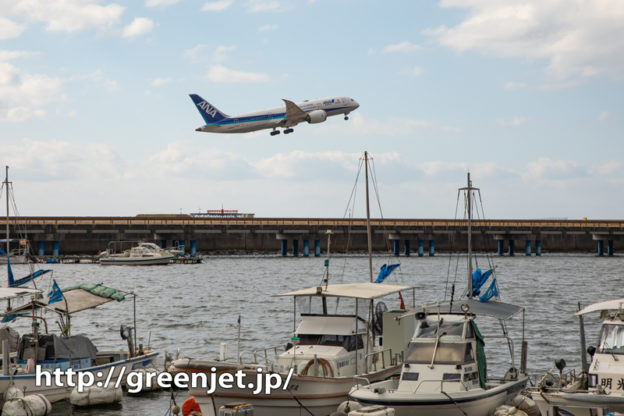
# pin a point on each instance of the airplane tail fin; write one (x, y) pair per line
(210, 113)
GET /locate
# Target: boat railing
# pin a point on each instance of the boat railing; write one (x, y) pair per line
(375, 358)
(262, 353)
(367, 381)
(510, 342)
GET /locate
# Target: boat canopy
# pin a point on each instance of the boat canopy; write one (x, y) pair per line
(608, 305)
(16, 292)
(494, 309)
(350, 290)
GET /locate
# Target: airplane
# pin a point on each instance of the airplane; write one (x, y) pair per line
(311, 111)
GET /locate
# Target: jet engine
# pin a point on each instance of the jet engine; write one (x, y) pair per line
(316, 116)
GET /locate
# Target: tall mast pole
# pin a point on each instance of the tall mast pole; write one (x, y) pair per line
(368, 224)
(469, 202)
(6, 184)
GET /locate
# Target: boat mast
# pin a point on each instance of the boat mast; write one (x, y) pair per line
(368, 224)
(6, 184)
(469, 188)
(469, 202)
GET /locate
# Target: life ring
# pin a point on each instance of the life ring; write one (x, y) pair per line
(328, 371)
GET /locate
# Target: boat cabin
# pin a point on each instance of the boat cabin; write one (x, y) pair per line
(445, 353)
(607, 367)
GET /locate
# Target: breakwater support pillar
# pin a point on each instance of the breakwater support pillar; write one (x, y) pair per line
(306, 248)
(284, 247)
(296, 247)
(41, 249)
(538, 247)
(421, 248)
(193, 248)
(317, 248)
(431, 248)
(55, 249)
(407, 247)
(527, 248)
(396, 247)
(512, 247)
(500, 247)
(600, 247)
(610, 247)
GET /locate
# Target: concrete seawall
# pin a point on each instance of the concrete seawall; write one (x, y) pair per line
(89, 235)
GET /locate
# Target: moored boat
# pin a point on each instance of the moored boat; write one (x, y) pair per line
(143, 254)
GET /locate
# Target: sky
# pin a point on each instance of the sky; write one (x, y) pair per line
(95, 118)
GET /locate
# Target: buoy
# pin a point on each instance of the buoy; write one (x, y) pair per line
(31, 405)
(346, 406)
(93, 396)
(145, 374)
(526, 404)
(190, 407)
(506, 410)
(13, 393)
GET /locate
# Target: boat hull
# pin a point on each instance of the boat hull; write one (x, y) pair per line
(319, 395)
(54, 393)
(469, 403)
(129, 261)
(577, 403)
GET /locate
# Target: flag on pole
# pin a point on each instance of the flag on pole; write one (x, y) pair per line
(55, 295)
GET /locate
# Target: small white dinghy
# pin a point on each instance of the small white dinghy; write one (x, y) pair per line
(95, 396)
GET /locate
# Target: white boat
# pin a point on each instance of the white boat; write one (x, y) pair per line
(445, 371)
(50, 352)
(599, 388)
(143, 254)
(331, 352)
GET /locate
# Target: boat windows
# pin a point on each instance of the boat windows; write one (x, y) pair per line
(446, 353)
(447, 328)
(345, 341)
(451, 377)
(612, 339)
(410, 376)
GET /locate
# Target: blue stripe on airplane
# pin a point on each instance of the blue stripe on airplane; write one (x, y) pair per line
(250, 119)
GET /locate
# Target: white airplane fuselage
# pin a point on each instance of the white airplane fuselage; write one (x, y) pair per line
(311, 111)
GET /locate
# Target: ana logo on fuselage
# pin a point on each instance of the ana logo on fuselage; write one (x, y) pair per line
(210, 110)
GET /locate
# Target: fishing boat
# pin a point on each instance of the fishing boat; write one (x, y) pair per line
(341, 336)
(49, 352)
(445, 369)
(599, 387)
(142, 254)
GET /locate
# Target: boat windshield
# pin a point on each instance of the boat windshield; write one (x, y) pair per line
(448, 328)
(612, 339)
(447, 353)
(345, 341)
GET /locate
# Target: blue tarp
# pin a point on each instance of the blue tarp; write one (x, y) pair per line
(22, 281)
(491, 292)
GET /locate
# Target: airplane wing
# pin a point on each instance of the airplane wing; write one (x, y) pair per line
(294, 114)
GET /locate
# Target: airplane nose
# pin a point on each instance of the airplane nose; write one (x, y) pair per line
(355, 104)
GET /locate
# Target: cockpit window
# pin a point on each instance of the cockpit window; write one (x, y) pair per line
(446, 353)
(612, 339)
(345, 341)
(430, 329)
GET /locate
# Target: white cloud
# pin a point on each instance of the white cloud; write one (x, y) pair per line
(220, 51)
(604, 115)
(139, 26)
(195, 52)
(415, 71)
(255, 6)
(511, 85)
(267, 28)
(222, 74)
(578, 40)
(155, 3)
(513, 122)
(159, 82)
(23, 95)
(217, 6)
(64, 16)
(402, 47)
(555, 171)
(9, 29)
(8, 55)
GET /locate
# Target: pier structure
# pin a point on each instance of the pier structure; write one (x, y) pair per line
(54, 236)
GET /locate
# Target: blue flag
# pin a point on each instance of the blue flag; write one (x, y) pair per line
(55, 294)
(490, 292)
(385, 272)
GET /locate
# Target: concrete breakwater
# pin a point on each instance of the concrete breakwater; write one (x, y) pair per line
(53, 236)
